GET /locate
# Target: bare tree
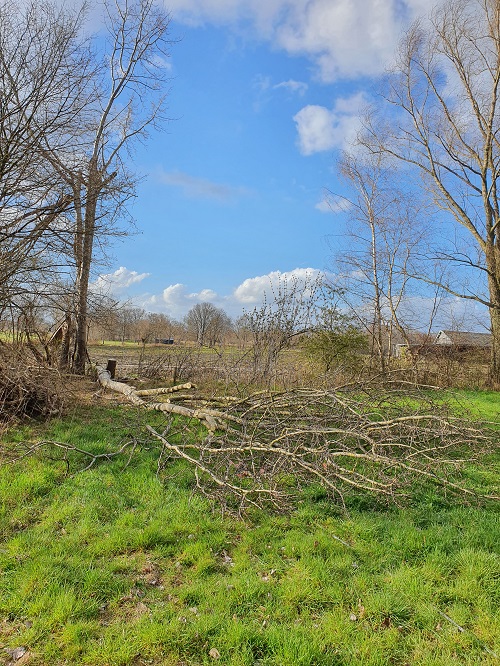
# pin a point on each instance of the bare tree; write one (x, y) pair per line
(161, 326)
(286, 312)
(104, 315)
(129, 99)
(378, 274)
(43, 76)
(129, 322)
(207, 323)
(444, 120)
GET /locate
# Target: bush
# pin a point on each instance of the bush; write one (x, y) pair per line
(335, 341)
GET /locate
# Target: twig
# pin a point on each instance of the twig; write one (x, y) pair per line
(466, 631)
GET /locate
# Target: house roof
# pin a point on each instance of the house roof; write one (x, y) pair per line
(411, 337)
(464, 338)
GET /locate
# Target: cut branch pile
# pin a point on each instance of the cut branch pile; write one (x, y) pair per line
(27, 388)
(263, 449)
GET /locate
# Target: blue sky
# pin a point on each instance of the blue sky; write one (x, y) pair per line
(264, 95)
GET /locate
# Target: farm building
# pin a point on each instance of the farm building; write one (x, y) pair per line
(445, 342)
(464, 340)
(414, 342)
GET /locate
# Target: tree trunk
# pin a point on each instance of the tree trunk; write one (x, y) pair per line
(493, 264)
(64, 353)
(93, 189)
(495, 348)
(81, 329)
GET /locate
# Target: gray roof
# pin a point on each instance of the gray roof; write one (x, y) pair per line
(466, 339)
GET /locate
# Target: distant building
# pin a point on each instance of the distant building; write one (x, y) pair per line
(447, 342)
(164, 341)
(414, 342)
(464, 340)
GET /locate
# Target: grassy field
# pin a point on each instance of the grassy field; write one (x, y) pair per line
(114, 566)
(482, 404)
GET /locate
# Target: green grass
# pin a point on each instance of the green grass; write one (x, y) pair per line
(482, 404)
(112, 567)
(117, 343)
(475, 404)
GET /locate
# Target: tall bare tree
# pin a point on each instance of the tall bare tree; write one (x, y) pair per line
(377, 277)
(207, 323)
(43, 77)
(444, 121)
(130, 91)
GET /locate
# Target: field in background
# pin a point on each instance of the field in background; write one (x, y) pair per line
(233, 364)
(116, 567)
(226, 366)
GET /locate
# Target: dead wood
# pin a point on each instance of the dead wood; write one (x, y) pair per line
(212, 418)
(65, 450)
(164, 390)
(28, 387)
(274, 444)
(264, 449)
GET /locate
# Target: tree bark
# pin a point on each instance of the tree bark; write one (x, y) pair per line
(93, 190)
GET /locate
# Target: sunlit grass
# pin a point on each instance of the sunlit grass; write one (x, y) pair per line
(112, 566)
(482, 404)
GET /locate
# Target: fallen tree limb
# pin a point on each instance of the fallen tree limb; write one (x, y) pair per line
(211, 417)
(66, 449)
(165, 389)
(264, 449)
(243, 493)
(276, 444)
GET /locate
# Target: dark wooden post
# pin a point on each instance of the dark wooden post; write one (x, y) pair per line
(111, 367)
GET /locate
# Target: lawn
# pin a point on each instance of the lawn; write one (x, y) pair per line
(114, 566)
(482, 404)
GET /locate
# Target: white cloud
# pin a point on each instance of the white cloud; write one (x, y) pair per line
(176, 299)
(204, 295)
(222, 12)
(323, 206)
(344, 38)
(161, 62)
(316, 129)
(293, 86)
(172, 297)
(201, 188)
(460, 314)
(253, 290)
(332, 204)
(321, 129)
(117, 282)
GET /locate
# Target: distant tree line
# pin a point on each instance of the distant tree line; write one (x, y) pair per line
(205, 325)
